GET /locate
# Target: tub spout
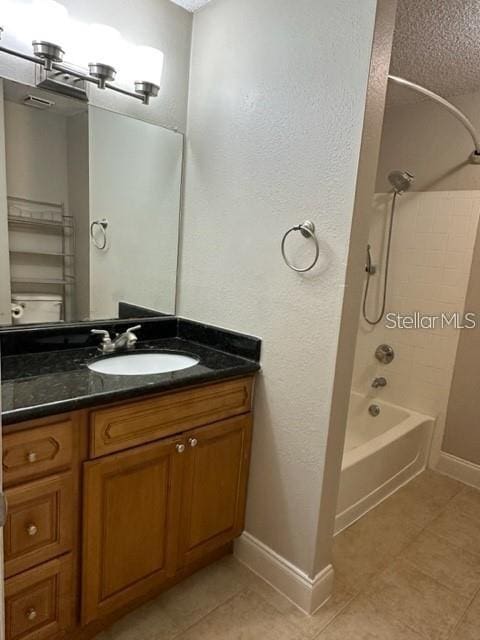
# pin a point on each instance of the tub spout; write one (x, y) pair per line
(379, 382)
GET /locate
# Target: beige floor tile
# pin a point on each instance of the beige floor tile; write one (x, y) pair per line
(149, 622)
(370, 544)
(455, 568)
(417, 600)
(362, 620)
(458, 527)
(247, 616)
(310, 626)
(195, 597)
(469, 627)
(422, 499)
(468, 502)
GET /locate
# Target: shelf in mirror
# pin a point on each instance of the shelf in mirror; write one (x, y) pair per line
(49, 254)
(18, 280)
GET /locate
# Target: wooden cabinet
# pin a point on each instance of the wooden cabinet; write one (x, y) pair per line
(38, 603)
(128, 425)
(35, 452)
(40, 522)
(214, 486)
(131, 515)
(108, 507)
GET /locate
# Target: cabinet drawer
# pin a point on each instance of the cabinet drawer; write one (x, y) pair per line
(121, 427)
(39, 524)
(38, 603)
(38, 451)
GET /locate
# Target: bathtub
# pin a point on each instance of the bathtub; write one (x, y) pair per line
(381, 454)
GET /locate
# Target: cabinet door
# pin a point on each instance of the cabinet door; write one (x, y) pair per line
(214, 489)
(130, 525)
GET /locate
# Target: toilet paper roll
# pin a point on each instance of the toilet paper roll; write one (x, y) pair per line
(17, 312)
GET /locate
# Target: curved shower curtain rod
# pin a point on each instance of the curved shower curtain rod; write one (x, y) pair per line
(475, 157)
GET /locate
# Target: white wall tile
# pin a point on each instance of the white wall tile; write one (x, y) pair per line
(430, 264)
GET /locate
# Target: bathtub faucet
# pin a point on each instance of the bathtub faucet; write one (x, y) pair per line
(379, 382)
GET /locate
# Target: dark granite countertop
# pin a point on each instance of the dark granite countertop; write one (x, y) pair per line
(39, 384)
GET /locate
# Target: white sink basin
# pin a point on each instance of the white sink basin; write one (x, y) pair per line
(142, 364)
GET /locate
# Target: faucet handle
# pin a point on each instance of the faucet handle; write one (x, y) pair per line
(131, 337)
(106, 344)
(135, 328)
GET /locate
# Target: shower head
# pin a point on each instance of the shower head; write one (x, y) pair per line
(401, 181)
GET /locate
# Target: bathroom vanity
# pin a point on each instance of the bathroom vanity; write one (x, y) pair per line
(117, 499)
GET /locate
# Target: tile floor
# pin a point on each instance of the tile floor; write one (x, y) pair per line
(408, 570)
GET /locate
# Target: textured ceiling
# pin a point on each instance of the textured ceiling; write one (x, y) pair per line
(436, 44)
(191, 5)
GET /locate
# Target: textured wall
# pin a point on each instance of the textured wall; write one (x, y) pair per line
(428, 141)
(157, 23)
(430, 263)
(275, 118)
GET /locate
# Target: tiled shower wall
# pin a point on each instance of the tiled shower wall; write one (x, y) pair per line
(433, 238)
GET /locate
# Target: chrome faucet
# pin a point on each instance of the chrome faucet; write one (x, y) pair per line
(379, 382)
(125, 340)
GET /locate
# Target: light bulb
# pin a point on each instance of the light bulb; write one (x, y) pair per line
(104, 45)
(148, 64)
(126, 71)
(49, 22)
(77, 53)
(17, 22)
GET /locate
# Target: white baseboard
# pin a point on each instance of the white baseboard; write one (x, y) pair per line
(460, 469)
(308, 594)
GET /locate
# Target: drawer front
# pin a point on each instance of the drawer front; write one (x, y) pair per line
(38, 451)
(39, 524)
(38, 603)
(121, 427)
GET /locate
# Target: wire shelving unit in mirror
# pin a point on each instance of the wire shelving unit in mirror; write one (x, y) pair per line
(41, 241)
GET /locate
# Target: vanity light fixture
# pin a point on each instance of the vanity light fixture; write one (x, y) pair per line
(50, 20)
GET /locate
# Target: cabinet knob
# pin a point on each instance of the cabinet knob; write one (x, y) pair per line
(31, 456)
(31, 614)
(192, 442)
(180, 448)
(32, 529)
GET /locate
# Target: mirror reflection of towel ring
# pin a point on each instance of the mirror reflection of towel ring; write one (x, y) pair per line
(102, 225)
(307, 229)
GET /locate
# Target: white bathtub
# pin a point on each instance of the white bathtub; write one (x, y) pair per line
(381, 454)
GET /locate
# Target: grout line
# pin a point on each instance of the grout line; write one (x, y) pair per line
(202, 618)
(464, 614)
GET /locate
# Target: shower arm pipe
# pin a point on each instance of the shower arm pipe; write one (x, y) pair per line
(446, 105)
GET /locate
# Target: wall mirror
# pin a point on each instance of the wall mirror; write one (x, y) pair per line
(89, 210)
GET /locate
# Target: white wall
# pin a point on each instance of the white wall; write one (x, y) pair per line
(427, 140)
(157, 23)
(36, 148)
(276, 103)
(432, 244)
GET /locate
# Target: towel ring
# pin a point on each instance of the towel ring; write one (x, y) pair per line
(102, 224)
(307, 229)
